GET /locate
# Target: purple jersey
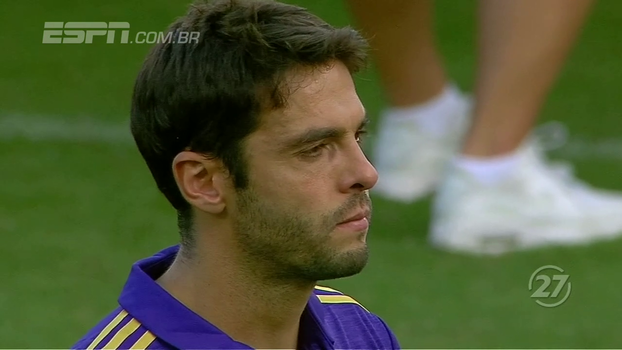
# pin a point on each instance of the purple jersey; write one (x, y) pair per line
(150, 318)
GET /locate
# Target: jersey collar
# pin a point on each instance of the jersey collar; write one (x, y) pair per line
(174, 323)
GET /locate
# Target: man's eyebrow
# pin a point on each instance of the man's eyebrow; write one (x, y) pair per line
(364, 123)
(312, 136)
(315, 135)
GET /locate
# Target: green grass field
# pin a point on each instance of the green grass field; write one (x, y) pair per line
(76, 211)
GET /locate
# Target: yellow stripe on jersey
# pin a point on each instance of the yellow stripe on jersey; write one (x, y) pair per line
(338, 299)
(144, 341)
(122, 334)
(326, 289)
(107, 329)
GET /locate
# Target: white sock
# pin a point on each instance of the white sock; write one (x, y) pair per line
(435, 115)
(489, 171)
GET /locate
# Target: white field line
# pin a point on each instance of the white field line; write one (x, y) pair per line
(47, 128)
(40, 128)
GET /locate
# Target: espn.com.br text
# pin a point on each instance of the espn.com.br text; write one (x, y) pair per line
(85, 32)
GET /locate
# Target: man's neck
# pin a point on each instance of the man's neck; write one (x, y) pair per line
(258, 313)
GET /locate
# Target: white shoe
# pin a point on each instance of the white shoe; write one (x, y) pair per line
(604, 206)
(536, 207)
(409, 160)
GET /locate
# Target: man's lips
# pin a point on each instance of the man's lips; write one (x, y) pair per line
(359, 215)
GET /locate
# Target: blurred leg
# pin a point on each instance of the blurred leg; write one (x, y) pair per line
(402, 39)
(500, 197)
(522, 47)
(422, 127)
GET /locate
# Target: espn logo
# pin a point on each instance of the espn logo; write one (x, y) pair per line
(83, 32)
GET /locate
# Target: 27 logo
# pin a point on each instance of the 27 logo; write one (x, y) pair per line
(548, 294)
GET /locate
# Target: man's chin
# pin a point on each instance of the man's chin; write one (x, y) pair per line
(347, 264)
(329, 265)
(349, 239)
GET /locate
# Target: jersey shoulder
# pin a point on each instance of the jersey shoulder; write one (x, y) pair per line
(330, 296)
(352, 325)
(119, 330)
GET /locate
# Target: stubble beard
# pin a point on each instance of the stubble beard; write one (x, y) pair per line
(277, 243)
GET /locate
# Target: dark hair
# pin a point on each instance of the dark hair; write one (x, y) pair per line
(207, 96)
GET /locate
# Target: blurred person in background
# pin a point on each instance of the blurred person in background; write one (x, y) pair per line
(495, 191)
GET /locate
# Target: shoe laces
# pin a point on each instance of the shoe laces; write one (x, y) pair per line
(548, 137)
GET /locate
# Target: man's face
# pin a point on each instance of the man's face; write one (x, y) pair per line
(306, 210)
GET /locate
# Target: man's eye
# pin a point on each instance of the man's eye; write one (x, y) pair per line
(360, 135)
(315, 151)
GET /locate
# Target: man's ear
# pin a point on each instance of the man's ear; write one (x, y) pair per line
(201, 181)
